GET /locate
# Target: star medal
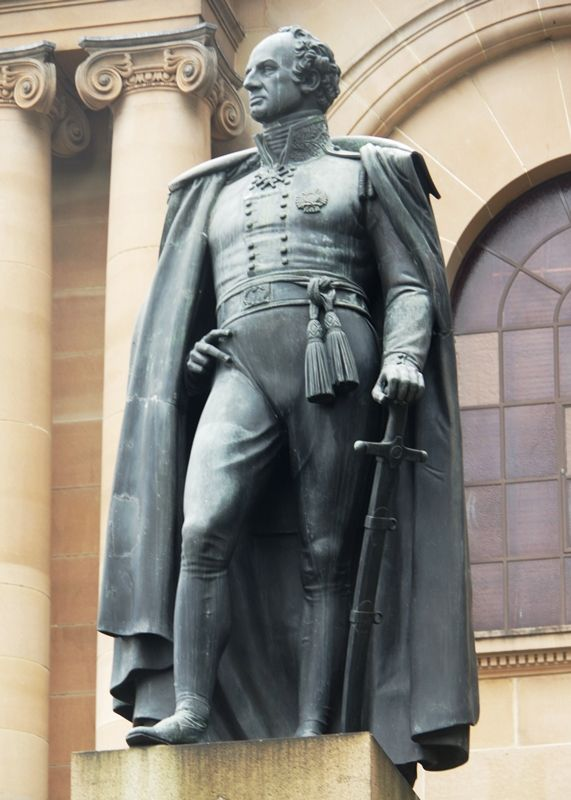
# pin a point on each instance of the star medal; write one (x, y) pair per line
(269, 177)
(311, 202)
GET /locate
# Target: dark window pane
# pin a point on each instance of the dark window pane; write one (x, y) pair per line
(565, 361)
(531, 441)
(552, 261)
(484, 510)
(530, 219)
(534, 519)
(477, 306)
(481, 441)
(563, 184)
(488, 596)
(529, 303)
(534, 593)
(521, 521)
(528, 365)
(568, 591)
(565, 309)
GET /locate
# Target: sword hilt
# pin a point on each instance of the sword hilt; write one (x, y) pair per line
(392, 449)
(392, 452)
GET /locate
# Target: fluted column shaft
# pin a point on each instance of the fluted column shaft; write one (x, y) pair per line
(27, 93)
(163, 90)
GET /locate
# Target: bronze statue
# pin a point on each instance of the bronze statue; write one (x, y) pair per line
(308, 275)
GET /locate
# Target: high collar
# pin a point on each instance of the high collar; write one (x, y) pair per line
(295, 139)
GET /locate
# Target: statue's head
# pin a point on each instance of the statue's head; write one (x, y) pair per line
(290, 71)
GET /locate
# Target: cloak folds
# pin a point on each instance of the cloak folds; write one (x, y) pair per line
(422, 683)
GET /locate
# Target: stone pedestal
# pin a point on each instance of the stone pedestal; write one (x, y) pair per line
(340, 767)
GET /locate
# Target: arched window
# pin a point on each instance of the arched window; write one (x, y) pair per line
(512, 305)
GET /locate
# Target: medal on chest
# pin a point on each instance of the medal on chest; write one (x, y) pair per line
(269, 177)
(311, 202)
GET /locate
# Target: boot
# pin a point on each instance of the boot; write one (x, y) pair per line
(182, 727)
(309, 727)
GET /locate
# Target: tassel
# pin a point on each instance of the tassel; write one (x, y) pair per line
(345, 375)
(318, 388)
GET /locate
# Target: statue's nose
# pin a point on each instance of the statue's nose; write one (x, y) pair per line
(251, 82)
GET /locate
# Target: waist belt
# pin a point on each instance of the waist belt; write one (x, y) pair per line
(330, 367)
(284, 289)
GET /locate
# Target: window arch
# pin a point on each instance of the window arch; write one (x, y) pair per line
(512, 313)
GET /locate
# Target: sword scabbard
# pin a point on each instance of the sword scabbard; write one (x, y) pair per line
(389, 454)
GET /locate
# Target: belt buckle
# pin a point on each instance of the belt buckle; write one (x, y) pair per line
(256, 295)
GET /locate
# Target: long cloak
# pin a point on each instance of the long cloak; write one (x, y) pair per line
(421, 692)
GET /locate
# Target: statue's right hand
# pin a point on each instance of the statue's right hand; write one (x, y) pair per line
(203, 357)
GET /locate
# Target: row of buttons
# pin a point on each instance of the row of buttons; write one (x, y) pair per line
(283, 236)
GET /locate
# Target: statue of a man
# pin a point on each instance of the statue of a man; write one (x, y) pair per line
(320, 261)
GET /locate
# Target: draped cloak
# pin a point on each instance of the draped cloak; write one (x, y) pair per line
(421, 689)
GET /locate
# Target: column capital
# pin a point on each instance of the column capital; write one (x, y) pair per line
(30, 81)
(188, 61)
(71, 132)
(28, 77)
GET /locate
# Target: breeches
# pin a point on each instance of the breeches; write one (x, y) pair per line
(256, 407)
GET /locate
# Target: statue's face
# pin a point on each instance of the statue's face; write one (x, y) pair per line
(270, 82)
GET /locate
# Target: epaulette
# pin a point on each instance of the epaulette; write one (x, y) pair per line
(355, 143)
(337, 151)
(397, 150)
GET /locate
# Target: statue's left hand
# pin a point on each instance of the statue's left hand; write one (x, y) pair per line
(399, 380)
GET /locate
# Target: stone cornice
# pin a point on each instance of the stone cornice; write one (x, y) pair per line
(535, 654)
(228, 21)
(508, 665)
(187, 61)
(28, 77)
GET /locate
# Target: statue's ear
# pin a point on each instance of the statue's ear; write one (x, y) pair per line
(311, 81)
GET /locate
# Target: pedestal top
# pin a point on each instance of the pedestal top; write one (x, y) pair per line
(338, 767)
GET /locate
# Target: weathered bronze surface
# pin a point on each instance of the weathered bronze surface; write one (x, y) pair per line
(295, 280)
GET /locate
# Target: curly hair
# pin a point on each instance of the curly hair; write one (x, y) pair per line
(311, 55)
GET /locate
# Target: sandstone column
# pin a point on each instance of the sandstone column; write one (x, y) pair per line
(163, 90)
(27, 93)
